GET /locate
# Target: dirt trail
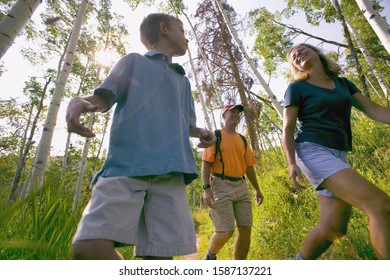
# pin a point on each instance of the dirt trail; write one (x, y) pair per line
(194, 256)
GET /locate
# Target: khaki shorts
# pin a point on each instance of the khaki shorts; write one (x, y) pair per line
(149, 212)
(233, 205)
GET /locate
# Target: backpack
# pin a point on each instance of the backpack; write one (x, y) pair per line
(218, 134)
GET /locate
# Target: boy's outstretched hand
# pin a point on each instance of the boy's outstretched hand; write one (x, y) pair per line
(206, 138)
(76, 107)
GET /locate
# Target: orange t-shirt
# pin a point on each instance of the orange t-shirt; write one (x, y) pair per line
(235, 157)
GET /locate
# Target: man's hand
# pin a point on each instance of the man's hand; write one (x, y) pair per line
(76, 107)
(208, 198)
(259, 198)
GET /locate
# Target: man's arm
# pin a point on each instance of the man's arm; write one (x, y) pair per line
(208, 195)
(251, 174)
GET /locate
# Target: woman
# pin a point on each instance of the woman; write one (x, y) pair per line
(321, 101)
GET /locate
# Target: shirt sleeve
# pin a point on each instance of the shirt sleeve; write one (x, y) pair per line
(249, 157)
(352, 88)
(116, 82)
(291, 96)
(209, 153)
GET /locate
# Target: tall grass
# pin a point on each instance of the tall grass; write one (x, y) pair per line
(39, 226)
(42, 225)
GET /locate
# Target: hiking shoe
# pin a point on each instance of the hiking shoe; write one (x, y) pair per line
(297, 257)
(210, 257)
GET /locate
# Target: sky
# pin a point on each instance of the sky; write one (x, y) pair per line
(18, 70)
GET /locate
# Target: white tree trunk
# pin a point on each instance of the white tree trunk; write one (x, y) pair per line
(66, 153)
(201, 98)
(43, 151)
(83, 163)
(377, 22)
(84, 157)
(14, 21)
(368, 57)
(251, 63)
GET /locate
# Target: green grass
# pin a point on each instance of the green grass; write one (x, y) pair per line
(38, 226)
(42, 225)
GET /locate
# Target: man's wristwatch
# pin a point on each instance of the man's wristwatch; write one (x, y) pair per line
(206, 186)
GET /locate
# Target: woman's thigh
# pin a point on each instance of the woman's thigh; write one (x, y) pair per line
(356, 190)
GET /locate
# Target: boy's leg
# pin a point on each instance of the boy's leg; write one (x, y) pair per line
(110, 217)
(157, 258)
(95, 250)
(166, 227)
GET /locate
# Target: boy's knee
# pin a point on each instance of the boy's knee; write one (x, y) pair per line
(79, 252)
(93, 250)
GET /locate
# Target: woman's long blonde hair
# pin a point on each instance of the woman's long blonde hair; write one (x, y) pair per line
(331, 68)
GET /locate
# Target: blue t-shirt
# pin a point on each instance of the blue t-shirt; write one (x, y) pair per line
(324, 115)
(153, 115)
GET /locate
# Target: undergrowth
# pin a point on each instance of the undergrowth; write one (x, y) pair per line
(42, 225)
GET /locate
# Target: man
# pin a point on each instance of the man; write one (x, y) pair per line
(225, 189)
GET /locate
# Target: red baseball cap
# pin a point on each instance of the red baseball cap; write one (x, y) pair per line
(231, 107)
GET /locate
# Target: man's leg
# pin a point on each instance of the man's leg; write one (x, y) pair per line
(218, 240)
(242, 244)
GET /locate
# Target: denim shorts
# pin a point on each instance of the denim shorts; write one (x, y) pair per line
(150, 212)
(318, 163)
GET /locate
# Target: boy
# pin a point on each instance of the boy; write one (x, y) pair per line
(139, 195)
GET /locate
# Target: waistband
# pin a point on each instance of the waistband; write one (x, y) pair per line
(234, 179)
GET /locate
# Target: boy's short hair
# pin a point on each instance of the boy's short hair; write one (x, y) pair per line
(150, 28)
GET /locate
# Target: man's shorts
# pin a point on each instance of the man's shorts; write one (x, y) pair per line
(319, 163)
(233, 205)
(150, 212)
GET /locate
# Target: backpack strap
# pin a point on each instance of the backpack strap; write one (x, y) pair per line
(218, 135)
(243, 139)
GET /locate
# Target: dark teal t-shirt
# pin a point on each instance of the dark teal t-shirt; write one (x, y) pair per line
(324, 115)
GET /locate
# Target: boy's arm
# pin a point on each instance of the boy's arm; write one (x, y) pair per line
(206, 137)
(80, 105)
